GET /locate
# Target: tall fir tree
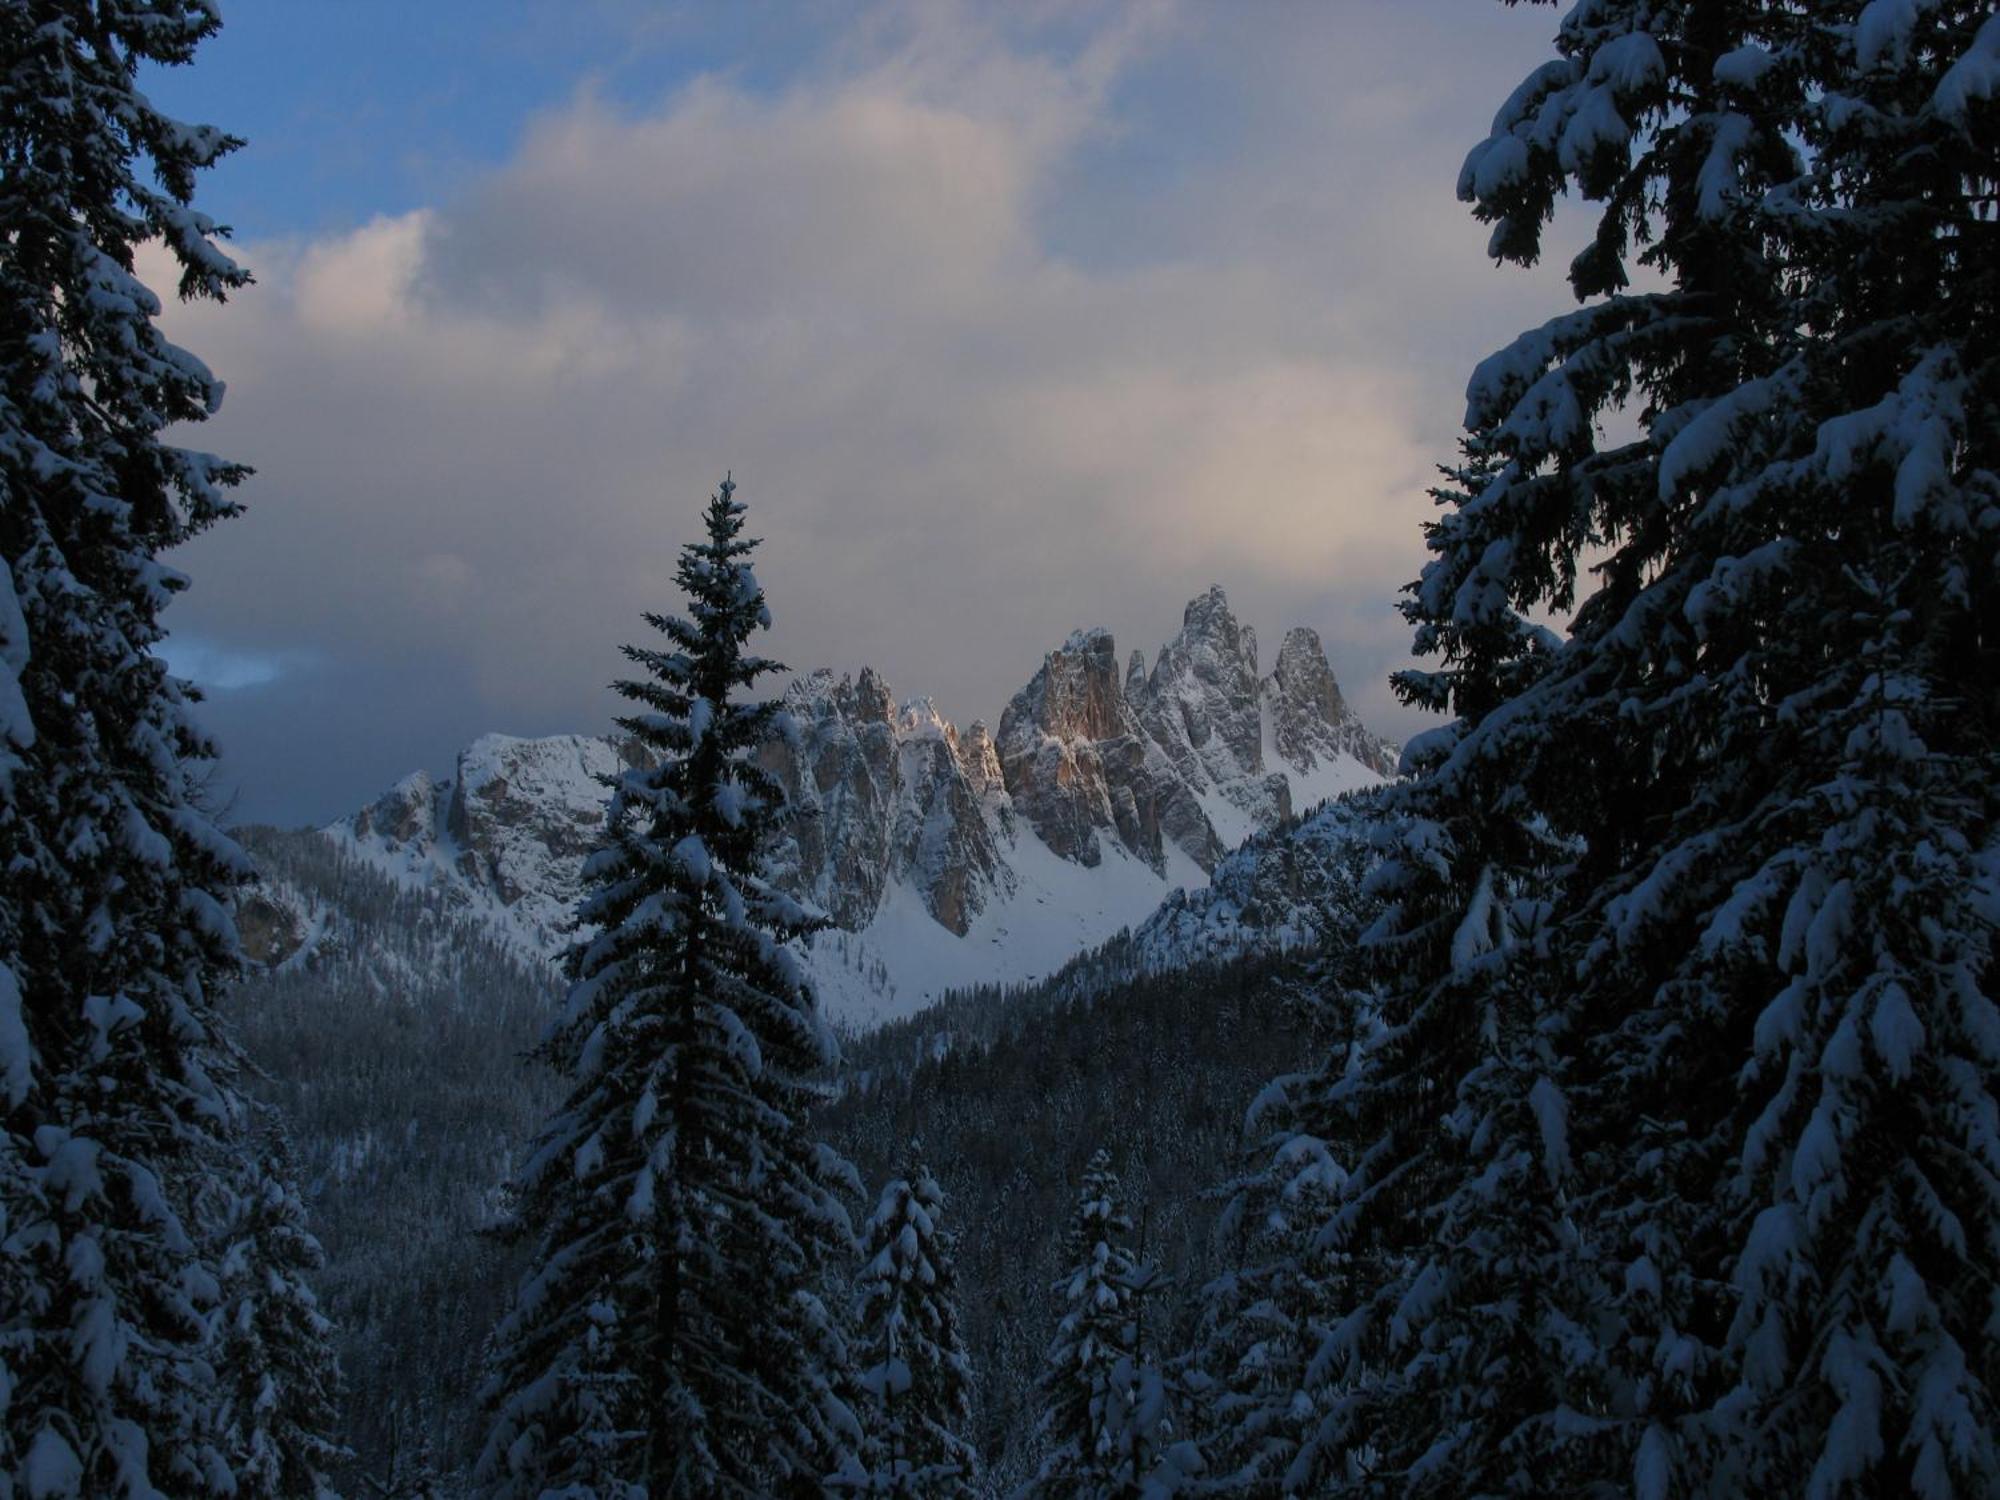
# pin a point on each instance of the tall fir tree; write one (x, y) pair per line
(116, 1085)
(1108, 1416)
(910, 1361)
(671, 1339)
(1674, 1164)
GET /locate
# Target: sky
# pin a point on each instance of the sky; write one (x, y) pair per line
(1008, 319)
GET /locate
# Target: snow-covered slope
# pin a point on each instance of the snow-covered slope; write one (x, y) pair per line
(901, 961)
(1284, 890)
(946, 859)
(503, 836)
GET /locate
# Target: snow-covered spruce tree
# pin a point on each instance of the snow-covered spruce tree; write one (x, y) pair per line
(1258, 1395)
(912, 1365)
(115, 1087)
(670, 1339)
(1107, 1416)
(274, 1346)
(1816, 928)
(1676, 1167)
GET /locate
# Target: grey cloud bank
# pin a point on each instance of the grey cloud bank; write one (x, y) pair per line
(999, 336)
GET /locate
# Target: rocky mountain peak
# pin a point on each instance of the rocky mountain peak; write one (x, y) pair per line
(408, 811)
(1176, 757)
(862, 698)
(508, 829)
(1209, 620)
(919, 719)
(881, 793)
(1077, 694)
(872, 699)
(1051, 745)
(1201, 700)
(1310, 720)
(1303, 678)
(981, 760)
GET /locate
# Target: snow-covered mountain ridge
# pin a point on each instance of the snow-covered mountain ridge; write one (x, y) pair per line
(946, 858)
(1292, 889)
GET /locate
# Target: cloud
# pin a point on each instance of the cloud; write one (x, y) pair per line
(983, 368)
(216, 668)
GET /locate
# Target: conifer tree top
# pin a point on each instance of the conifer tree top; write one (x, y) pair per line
(675, 1335)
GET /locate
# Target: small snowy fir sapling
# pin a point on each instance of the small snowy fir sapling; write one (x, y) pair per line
(670, 1338)
(1671, 1160)
(117, 1102)
(1108, 1417)
(1262, 1374)
(911, 1363)
(409, 1469)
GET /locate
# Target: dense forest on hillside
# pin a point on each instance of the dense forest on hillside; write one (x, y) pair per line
(395, 1052)
(1159, 1071)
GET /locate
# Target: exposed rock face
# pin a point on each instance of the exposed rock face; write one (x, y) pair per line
(268, 927)
(840, 776)
(880, 794)
(1194, 755)
(407, 811)
(1077, 694)
(511, 825)
(1078, 762)
(1201, 707)
(942, 845)
(976, 753)
(1200, 703)
(1310, 721)
(521, 810)
(1071, 754)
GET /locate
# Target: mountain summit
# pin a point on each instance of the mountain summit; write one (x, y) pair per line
(944, 857)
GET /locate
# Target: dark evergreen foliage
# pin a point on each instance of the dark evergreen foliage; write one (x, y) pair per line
(1647, 1144)
(116, 1085)
(390, 1043)
(1668, 1093)
(1256, 1367)
(910, 1359)
(1008, 1090)
(671, 1338)
(386, 1028)
(1107, 1422)
(274, 1345)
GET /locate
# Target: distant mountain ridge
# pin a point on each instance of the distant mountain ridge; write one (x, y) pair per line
(945, 858)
